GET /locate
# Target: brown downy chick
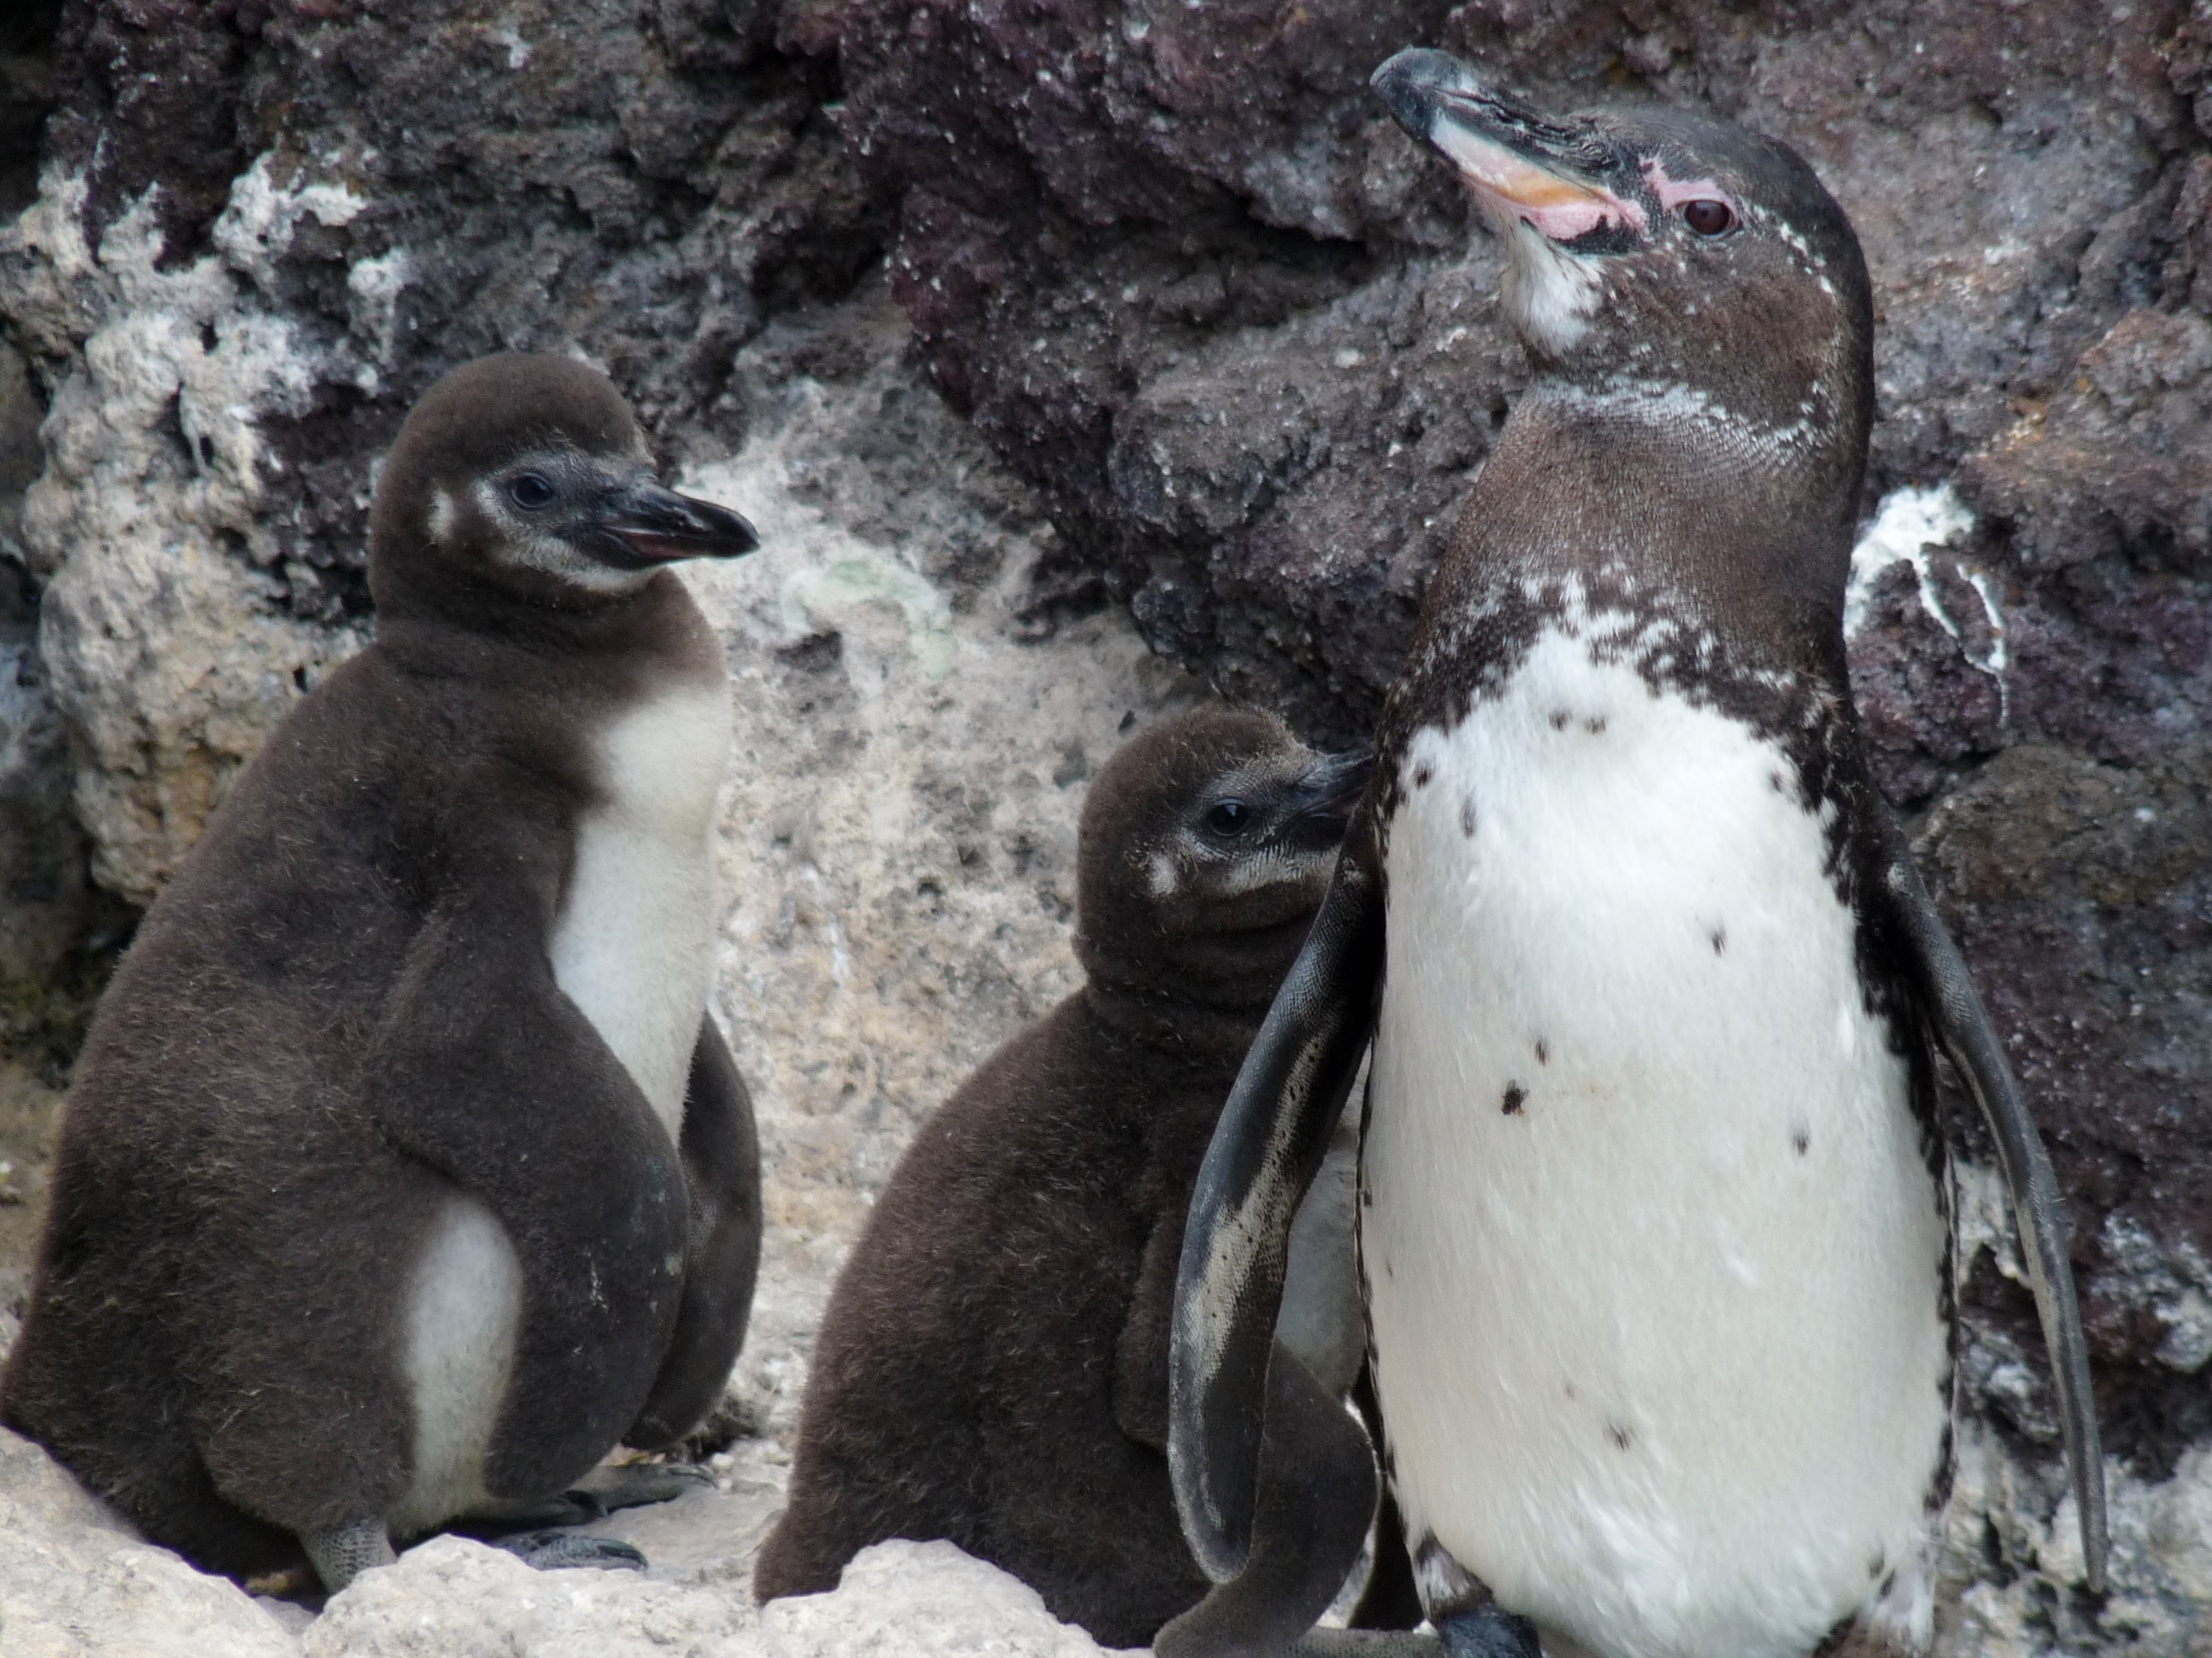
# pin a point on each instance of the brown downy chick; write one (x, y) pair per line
(404, 1173)
(993, 1366)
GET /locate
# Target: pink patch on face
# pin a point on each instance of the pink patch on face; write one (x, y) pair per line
(1567, 221)
(1562, 208)
(1672, 194)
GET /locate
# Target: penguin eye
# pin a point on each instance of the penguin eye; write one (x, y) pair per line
(529, 490)
(1228, 817)
(1708, 217)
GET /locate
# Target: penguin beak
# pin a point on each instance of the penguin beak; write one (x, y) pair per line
(1325, 796)
(652, 525)
(1521, 164)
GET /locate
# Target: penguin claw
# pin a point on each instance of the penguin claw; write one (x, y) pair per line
(558, 1551)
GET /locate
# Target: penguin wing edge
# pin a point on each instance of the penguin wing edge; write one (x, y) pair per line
(720, 1154)
(1265, 1150)
(1961, 1026)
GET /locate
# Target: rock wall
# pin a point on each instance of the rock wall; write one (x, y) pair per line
(1227, 358)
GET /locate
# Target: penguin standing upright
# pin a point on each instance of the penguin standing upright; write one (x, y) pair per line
(403, 1174)
(1655, 1213)
(993, 1367)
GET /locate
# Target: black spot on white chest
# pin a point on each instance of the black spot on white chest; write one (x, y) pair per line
(1653, 1253)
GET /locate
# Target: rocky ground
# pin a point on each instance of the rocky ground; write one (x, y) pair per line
(1057, 349)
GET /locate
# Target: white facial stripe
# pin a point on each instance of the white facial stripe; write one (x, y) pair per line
(535, 550)
(1162, 870)
(443, 514)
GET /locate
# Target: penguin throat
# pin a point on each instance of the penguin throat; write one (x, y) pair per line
(1550, 291)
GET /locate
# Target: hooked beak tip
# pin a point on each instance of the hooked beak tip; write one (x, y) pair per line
(659, 526)
(1518, 161)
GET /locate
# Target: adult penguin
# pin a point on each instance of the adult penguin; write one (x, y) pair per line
(1656, 1219)
(403, 1173)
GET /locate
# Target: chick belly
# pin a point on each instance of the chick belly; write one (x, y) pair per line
(463, 1312)
(1652, 1250)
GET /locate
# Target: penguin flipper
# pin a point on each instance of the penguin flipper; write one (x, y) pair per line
(721, 1149)
(559, 1143)
(1961, 1027)
(1316, 1491)
(1268, 1146)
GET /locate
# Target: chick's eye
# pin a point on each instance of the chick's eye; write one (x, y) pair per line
(529, 490)
(1229, 817)
(1708, 217)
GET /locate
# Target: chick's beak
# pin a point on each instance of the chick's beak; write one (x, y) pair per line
(653, 525)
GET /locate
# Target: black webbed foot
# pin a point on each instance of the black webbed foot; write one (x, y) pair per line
(1367, 1643)
(597, 1495)
(1489, 1632)
(558, 1551)
(634, 1485)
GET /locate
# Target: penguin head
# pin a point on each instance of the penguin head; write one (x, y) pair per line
(1662, 251)
(528, 476)
(1205, 846)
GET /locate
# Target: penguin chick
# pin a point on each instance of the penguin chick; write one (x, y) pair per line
(403, 1173)
(993, 1367)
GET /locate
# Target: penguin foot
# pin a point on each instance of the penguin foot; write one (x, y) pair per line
(598, 1494)
(558, 1551)
(634, 1485)
(1489, 1632)
(343, 1552)
(1366, 1643)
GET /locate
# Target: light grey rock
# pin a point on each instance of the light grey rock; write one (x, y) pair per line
(77, 1582)
(453, 1598)
(898, 827)
(163, 647)
(710, 1539)
(905, 1600)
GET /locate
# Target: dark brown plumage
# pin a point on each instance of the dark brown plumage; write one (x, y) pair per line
(993, 1366)
(341, 1017)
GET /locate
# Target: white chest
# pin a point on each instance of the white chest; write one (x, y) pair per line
(634, 945)
(1653, 1256)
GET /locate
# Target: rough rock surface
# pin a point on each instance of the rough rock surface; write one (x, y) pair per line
(1189, 280)
(1229, 330)
(76, 1580)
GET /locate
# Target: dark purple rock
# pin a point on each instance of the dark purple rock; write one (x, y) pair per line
(1188, 280)
(647, 185)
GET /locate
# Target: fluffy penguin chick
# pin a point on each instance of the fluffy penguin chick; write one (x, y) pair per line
(1655, 1207)
(993, 1367)
(403, 1173)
